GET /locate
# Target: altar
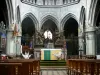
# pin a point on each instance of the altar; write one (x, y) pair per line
(51, 54)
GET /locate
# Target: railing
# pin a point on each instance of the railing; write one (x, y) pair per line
(46, 3)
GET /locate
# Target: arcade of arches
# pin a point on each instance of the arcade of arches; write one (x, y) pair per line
(79, 29)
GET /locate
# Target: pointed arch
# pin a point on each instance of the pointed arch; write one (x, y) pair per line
(82, 15)
(18, 15)
(92, 12)
(34, 19)
(63, 21)
(10, 11)
(51, 18)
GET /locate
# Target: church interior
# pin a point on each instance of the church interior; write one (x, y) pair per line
(49, 37)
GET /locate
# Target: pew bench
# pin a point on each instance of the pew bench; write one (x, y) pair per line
(10, 68)
(83, 67)
(29, 66)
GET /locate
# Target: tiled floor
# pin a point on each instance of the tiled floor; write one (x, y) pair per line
(53, 71)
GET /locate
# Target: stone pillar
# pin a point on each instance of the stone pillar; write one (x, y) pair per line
(50, 2)
(43, 2)
(10, 44)
(81, 40)
(81, 45)
(39, 2)
(18, 45)
(90, 41)
(46, 2)
(68, 1)
(64, 1)
(55, 2)
(59, 2)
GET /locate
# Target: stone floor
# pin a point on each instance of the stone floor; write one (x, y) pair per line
(53, 71)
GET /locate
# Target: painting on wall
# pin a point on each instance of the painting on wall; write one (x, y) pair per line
(3, 40)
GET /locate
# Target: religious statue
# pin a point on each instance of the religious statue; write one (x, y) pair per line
(39, 38)
(59, 38)
(26, 55)
(48, 38)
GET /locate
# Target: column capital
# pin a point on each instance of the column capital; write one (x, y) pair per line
(90, 29)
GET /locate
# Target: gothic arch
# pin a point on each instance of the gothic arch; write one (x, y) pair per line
(51, 18)
(7, 11)
(96, 12)
(82, 15)
(18, 15)
(70, 15)
(10, 11)
(92, 12)
(34, 19)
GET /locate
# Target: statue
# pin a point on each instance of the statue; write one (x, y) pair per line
(59, 38)
(26, 55)
(39, 38)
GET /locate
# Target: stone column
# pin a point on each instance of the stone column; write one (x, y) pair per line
(90, 41)
(54, 2)
(18, 45)
(10, 44)
(68, 1)
(39, 2)
(81, 40)
(81, 45)
(43, 2)
(59, 2)
(64, 1)
(50, 2)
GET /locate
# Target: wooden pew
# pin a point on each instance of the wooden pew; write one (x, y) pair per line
(10, 68)
(83, 67)
(29, 66)
(81, 57)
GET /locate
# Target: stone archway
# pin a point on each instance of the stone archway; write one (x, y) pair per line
(49, 17)
(34, 23)
(28, 32)
(50, 26)
(71, 36)
(34, 19)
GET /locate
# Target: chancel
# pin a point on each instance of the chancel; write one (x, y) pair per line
(49, 37)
